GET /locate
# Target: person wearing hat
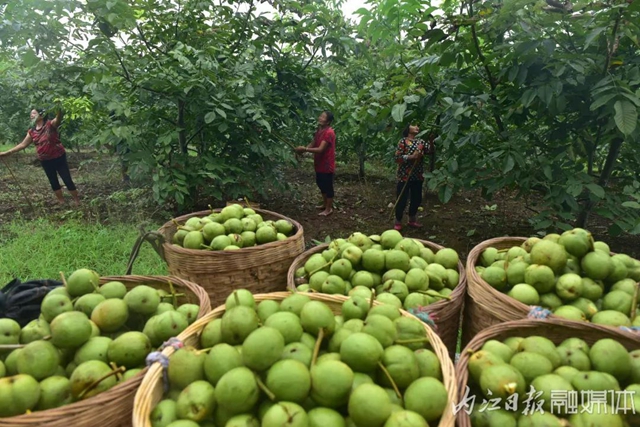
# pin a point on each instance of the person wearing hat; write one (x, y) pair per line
(52, 155)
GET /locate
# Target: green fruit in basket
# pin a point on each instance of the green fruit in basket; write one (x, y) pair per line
(87, 303)
(32, 331)
(142, 299)
(248, 239)
(390, 299)
(341, 268)
(608, 355)
(315, 263)
(575, 344)
(619, 301)
(283, 226)
(84, 379)
(220, 242)
(369, 405)
(403, 418)
(257, 218)
(211, 334)
(178, 236)
(233, 226)
(298, 351)
(325, 357)
(394, 274)
(569, 287)
(417, 280)
(577, 242)
(242, 421)
(361, 291)
(52, 305)
(289, 380)
(541, 277)
(496, 277)
(452, 279)
(618, 272)
(543, 346)
(40, 359)
(94, 349)
(588, 381)
(515, 272)
(285, 414)
(238, 323)
(408, 246)
(240, 297)
(359, 378)
(237, 391)
(185, 367)
(417, 262)
(193, 240)
(601, 246)
(70, 330)
(394, 287)
(331, 383)
(317, 280)
(316, 315)
(611, 318)
(236, 240)
(3, 370)
(266, 234)
(360, 240)
(169, 324)
(353, 254)
(388, 310)
(113, 289)
(110, 315)
(625, 285)
(164, 413)
(427, 255)
(361, 352)
(266, 308)
(82, 281)
(635, 367)
(18, 394)
(248, 224)
(221, 359)
(323, 417)
(427, 397)
(190, 311)
(586, 306)
(11, 362)
(354, 325)
(481, 360)
(567, 372)
(212, 230)
(550, 301)
(55, 391)
(337, 338)
(549, 253)
(196, 402)
(604, 416)
(262, 348)
(437, 276)
(488, 256)
(596, 265)
(553, 237)
(531, 365)
(401, 365)
(524, 293)
(130, 373)
(380, 327)
(499, 349)
(428, 363)
(574, 358)
(448, 258)
(397, 259)
(373, 260)
(232, 248)
(570, 312)
(288, 324)
(549, 384)
(537, 419)
(356, 307)
(329, 254)
(390, 238)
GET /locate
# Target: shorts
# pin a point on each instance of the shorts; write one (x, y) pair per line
(325, 183)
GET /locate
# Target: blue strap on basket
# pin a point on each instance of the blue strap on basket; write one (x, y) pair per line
(157, 356)
(422, 313)
(633, 329)
(538, 312)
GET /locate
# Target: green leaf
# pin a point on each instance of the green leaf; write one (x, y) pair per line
(600, 101)
(596, 190)
(398, 112)
(592, 35)
(626, 116)
(209, 117)
(509, 163)
(221, 112)
(30, 58)
(632, 205)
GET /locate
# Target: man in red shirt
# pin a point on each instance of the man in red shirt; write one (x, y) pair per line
(51, 153)
(323, 148)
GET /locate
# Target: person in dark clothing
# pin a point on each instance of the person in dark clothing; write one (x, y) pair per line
(323, 148)
(50, 152)
(410, 176)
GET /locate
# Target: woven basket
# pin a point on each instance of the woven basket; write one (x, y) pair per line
(446, 313)
(259, 269)
(557, 330)
(151, 389)
(112, 408)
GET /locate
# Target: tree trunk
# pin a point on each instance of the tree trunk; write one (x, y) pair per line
(362, 156)
(607, 170)
(182, 132)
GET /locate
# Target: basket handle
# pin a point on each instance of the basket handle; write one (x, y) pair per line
(155, 239)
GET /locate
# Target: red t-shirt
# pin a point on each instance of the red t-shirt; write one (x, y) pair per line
(47, 141)
(325, 162)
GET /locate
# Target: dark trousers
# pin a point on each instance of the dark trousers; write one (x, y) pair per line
(325, 183)
(55, 167)
(412, 191)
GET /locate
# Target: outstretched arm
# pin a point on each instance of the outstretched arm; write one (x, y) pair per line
(56, 121)
(24, 144)
(317, 150)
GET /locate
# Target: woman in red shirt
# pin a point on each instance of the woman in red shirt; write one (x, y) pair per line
(323, 148)
(51, 153)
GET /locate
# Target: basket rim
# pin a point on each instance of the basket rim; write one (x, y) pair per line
(124, 388)
(168, 246)
(142, 403)
(458, 292)
(522, 327)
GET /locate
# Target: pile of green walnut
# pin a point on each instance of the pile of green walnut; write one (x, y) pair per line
(502, 369)
(571, 274)
(401, 270)
(233, 228)
(87, 339)
(295, 363)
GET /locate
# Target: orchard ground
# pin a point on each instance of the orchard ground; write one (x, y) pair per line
(39, 239)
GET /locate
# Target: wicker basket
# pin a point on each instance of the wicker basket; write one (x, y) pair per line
(557, 330)
(260, 269)
(446, 313)
(151, 389)
(112, 408)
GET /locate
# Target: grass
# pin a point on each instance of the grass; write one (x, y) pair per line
(40, 249)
